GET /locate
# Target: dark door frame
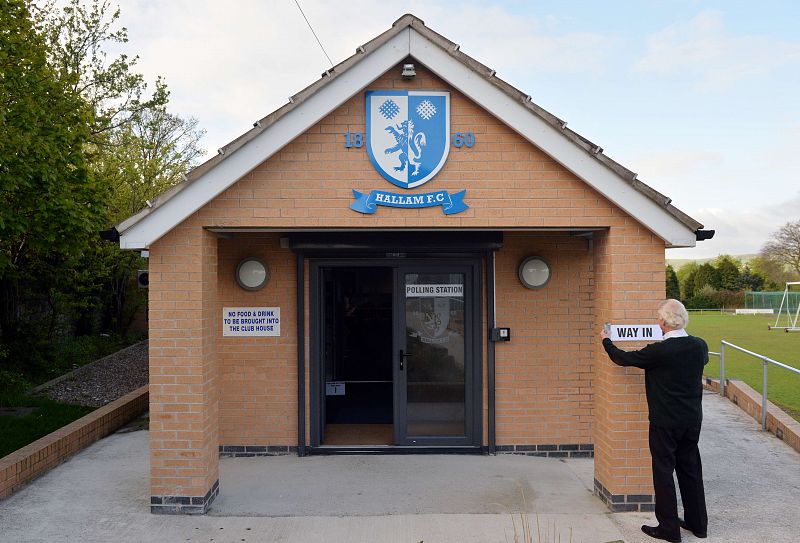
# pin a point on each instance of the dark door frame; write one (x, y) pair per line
(471, 361)
(473, 261)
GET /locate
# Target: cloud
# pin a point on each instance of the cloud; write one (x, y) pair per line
(525, 43)
(230, 66)
(703, 49)
(786, 210)
(739, 231)
(678, 163)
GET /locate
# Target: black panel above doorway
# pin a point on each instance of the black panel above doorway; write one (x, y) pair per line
(399, 242)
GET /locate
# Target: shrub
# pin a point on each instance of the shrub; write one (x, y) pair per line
(704, 298)
(728, 299)
(12, 382)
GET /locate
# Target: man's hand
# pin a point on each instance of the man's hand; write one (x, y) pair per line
(603, 334)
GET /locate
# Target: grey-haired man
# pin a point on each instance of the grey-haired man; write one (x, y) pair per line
(673, 371)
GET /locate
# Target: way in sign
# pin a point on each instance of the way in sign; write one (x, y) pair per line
(647, 333)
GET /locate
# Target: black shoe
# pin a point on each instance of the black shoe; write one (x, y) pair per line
(658, 533)
(701, 535)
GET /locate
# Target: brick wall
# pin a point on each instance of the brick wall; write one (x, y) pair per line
(629, 283)
(509, 182)
(34, 460)
(184, 392)
(258, 402)
(546, 376)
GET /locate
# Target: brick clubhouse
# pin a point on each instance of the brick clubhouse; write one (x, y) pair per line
(456, 311)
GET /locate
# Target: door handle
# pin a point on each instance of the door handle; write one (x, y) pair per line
(403, 356)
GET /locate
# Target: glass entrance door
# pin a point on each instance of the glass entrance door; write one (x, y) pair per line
(433, 372)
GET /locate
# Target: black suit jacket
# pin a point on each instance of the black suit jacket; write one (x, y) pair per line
(673, 373)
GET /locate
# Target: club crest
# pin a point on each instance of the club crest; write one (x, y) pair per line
(408, 134)
(436, 319)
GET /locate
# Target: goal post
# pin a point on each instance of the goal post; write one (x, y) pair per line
(792, 321)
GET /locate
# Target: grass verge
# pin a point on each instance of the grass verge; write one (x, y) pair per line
(47, 416)
(750, 332)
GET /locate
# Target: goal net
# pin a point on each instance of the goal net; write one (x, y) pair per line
(789, 312)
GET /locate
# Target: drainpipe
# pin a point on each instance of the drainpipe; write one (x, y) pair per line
(490, 362)
(301, 356)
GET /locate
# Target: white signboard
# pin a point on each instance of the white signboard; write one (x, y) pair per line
(251, 321)
(635, 332)
(430, 291)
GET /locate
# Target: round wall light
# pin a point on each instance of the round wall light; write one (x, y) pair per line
(534, 272)
(252, 273)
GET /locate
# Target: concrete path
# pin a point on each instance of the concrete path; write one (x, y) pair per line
(333, 486)
(752, 482)
(102, 494)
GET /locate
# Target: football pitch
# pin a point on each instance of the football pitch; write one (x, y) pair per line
(750, 332)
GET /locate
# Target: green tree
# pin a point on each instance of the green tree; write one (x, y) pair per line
(784, 247)
(51, 202)
(704, 298)
(774, 273)
(83, 144)
(750, 281)
(706, 275)
(728, 299)
(686, 275)
(728, 272)
(151, 154)
(138, 149)
(673, 287)
(78, 36)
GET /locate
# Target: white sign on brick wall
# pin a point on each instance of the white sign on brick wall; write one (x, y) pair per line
(251, 321)
(635, 332)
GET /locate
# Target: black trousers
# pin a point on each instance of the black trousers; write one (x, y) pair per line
(675, 450)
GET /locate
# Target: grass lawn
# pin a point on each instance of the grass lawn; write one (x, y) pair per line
(750, 332)
(47, 416)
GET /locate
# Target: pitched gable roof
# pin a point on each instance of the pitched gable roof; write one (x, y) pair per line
(409, 37)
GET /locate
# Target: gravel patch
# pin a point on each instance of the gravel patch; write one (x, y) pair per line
(104, 380)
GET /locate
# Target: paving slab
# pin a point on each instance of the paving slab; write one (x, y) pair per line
(102, 494)
(403, 485)
(752, 482)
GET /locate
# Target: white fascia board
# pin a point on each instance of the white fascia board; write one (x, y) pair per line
(275, 137)
(552, 142)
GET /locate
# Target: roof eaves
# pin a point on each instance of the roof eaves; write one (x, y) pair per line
(264, 123)
(453, 50)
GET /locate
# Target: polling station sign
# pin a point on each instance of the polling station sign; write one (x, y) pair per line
(635, 332)
(251, 321)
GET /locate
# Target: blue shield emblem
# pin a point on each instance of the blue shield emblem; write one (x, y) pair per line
(408, 134)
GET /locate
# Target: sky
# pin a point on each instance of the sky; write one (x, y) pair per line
(700, 98)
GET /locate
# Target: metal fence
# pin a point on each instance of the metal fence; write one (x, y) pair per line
(765, 361)
(771, 300)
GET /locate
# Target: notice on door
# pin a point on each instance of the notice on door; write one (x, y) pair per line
(251, 321)
(429, 291)
(335, 388)
(635, 332)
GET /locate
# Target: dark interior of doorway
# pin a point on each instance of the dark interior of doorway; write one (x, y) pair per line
(357, 351)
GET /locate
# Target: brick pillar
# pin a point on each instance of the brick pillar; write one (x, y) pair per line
(629, 283)
(184, 421)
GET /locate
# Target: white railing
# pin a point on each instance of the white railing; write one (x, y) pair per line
(765, 361)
